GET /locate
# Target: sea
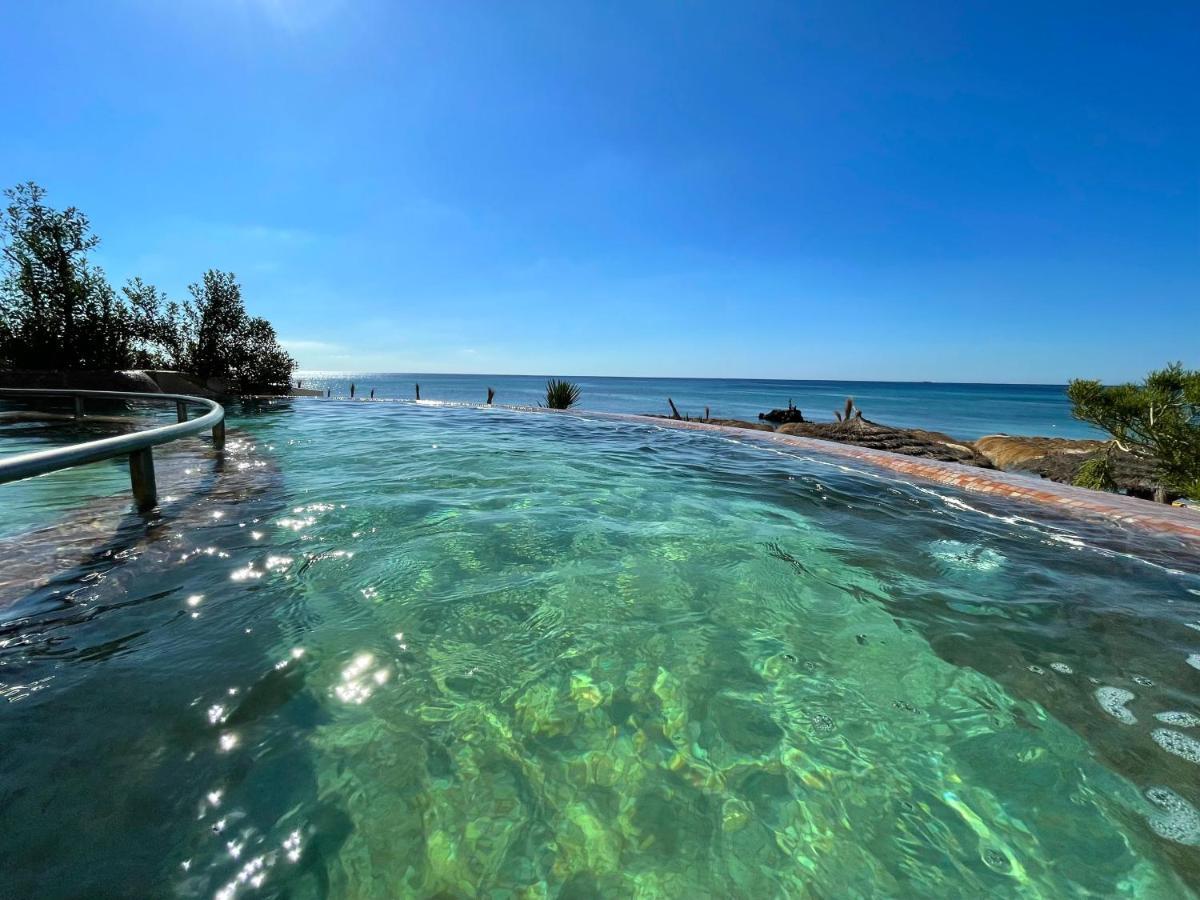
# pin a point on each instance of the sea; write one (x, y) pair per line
(966, 411)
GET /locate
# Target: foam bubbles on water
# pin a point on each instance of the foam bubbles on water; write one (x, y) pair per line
(1112, 700)
(1178, 820)
(1179, 719)
(1180, 744)
(967, 557)
(1062, 668)
(1194, 660)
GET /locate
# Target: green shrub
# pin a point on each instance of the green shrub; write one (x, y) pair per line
(1097, 474)
(1158, 419)
(561, 394)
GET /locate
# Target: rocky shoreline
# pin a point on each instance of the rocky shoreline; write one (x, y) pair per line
(1055, 459)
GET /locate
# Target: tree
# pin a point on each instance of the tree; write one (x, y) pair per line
(57, 310)
(217, 320)
(224, 342)
(160, 326)
(209, 335)
(268, 367)
(1158, 419)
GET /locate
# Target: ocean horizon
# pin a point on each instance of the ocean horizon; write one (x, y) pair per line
(962, 409)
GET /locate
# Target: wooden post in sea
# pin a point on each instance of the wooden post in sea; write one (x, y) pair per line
(674, 412)
(491, 394)
(372, 393)
(418, 392)
(352, 390)
(328, 394)
(706, 416)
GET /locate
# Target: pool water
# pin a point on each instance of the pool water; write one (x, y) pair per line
(388, 650)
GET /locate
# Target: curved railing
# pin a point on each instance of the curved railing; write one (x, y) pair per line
(137, 446)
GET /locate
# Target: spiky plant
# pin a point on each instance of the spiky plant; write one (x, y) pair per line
(1097, 473)
(851, 412)
(561, 394)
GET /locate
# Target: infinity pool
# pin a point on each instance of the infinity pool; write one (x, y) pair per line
(386, 650)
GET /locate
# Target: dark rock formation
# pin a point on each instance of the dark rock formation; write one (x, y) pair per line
(909, 441)
(782, 416)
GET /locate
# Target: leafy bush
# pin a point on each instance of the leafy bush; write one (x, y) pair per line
(1097, 474)
(561, 394)
(1158, 419)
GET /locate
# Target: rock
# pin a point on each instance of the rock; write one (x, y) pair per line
(783, 416)
(1132, 475)
(1011, 451)
(908, 441)
(735, 814)
(1060, 459)
(179, 383)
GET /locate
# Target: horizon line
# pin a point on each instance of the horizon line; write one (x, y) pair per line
(348, 372)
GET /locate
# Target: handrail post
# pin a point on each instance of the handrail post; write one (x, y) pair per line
(219, 434)
(180, 410)
(141, 476)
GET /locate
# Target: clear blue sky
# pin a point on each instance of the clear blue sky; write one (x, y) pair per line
(948, 191)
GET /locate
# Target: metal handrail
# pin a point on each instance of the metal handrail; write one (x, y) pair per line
(137, 446)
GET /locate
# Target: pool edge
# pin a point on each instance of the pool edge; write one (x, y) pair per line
(1067, 498)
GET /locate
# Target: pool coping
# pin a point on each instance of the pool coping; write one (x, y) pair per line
(1066, 498)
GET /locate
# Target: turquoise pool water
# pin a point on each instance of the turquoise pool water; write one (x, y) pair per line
(400, 651)
(35, 502)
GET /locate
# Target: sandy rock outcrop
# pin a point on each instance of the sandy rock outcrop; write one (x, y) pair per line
(1013, 451)
(1060, 459)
